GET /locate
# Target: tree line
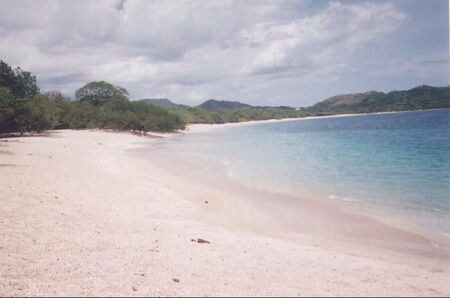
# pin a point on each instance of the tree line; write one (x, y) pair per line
(198, 115)
(24, 108)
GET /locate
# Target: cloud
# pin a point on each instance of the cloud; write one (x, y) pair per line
(120, 4)
(428, 67)
(190, 50)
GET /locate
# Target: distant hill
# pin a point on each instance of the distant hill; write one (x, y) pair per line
(418, 98)
(221, 111)
(160, 102)
(216, 105)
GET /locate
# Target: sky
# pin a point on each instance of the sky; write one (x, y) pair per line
(255, 51)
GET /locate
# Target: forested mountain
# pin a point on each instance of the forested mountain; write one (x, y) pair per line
(160, 102)
(217, 105)
(418, 98)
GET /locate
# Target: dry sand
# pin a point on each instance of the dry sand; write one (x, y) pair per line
(81, 215)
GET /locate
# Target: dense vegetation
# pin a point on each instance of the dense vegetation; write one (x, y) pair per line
(419, 98)
(196, 115)
(214, 111)
(98, 105)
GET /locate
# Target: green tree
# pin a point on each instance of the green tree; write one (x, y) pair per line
(26, 84)
(41, 115)
(6, 110)
(8, 78)
(100, 92)
(21, 83)
(81, 115)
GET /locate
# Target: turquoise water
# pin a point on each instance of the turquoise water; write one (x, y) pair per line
(396, 161)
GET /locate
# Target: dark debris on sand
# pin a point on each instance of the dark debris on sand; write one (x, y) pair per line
(200, 241)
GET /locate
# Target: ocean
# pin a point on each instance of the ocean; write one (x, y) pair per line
(398, 162)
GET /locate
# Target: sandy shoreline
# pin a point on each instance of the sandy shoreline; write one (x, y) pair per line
(302, 219)
(81, 215)
(200, 127)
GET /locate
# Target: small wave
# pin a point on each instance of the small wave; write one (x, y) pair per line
(349, 199)
(333, 197)
(346, 199)
(438, 210)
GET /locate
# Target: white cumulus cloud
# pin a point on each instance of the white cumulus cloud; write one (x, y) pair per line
(190, 50)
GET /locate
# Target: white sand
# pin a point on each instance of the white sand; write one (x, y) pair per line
(201, 127)
(80, 215)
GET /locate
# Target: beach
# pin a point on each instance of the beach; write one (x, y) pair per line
(82, 214)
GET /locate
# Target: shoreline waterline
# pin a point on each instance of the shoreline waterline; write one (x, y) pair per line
(93, 215)
(388, 209)
(204, 127)
(304, 219)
